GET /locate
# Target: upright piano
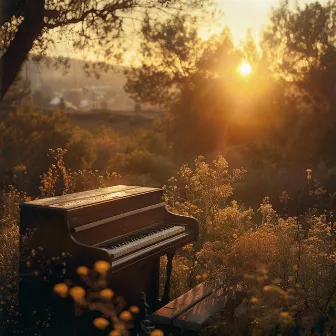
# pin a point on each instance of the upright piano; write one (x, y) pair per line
(127, 226)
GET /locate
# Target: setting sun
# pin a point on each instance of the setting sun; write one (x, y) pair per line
(245, 69)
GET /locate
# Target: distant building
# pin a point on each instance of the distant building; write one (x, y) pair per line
(63, 104)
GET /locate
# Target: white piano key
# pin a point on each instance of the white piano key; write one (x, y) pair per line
(145, 241)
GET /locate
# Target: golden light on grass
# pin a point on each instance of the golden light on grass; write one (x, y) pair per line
(245, 69)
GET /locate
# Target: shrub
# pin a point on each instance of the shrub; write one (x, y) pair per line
(285, 267)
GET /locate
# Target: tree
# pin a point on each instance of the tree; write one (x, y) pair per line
(26, 135)
(209, 105)
(100, 26)
(300, 45)
(168, 55)
(17, 94)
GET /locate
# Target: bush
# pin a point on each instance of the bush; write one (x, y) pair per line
(284, 267)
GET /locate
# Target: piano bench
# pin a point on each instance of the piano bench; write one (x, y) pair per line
(190, 312)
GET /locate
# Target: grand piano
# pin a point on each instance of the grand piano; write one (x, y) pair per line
(127, 226)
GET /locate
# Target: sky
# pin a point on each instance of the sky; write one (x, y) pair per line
(241, 15)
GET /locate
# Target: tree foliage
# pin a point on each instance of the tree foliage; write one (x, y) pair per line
(98, 26)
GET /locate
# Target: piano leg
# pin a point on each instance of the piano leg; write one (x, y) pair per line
(166, 293)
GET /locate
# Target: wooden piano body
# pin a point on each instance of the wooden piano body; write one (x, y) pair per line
(127, 226)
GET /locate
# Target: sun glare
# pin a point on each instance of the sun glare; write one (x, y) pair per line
(245, 69)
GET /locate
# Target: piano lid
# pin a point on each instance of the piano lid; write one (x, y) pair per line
(86, 198)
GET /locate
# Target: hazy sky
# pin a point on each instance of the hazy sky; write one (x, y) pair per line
(240, 15)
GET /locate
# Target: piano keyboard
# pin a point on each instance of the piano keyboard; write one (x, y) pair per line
(135, 242)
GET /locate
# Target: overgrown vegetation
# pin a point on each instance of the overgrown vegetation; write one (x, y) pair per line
(268, 232)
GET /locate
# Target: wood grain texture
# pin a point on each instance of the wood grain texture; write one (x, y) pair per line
(172, 310)
(83, 194)
(199, 315)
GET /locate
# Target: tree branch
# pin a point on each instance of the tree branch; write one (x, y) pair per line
(15, 55)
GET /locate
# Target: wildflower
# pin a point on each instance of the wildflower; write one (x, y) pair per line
(198, 277)
(126, 316)
(102, 266)
(309, 171)
(267, 288)
(106, 294)
(284, 314)
(205, 276)
(77, 292)
(115, 333)
(235, 236)
(134, 309)
(254, 300)
(61, 289)
(119, 327)
(82, 270)
(157, 332)
(100, 323)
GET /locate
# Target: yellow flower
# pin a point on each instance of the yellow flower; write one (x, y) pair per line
(126, 316)
(235, 236)
(115, 333)
(267, 288)
(254, 300)
(198, 277)
(205, 276)
(284, 314)
(77, 292)
(134, 309)
(102, 266)
(119, 326)
(157, 332)
(28, 263)
(82, 270)
(61, 289)
(100, 323)
(106, 294)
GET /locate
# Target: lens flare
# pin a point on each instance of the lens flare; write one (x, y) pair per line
(245, 69)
